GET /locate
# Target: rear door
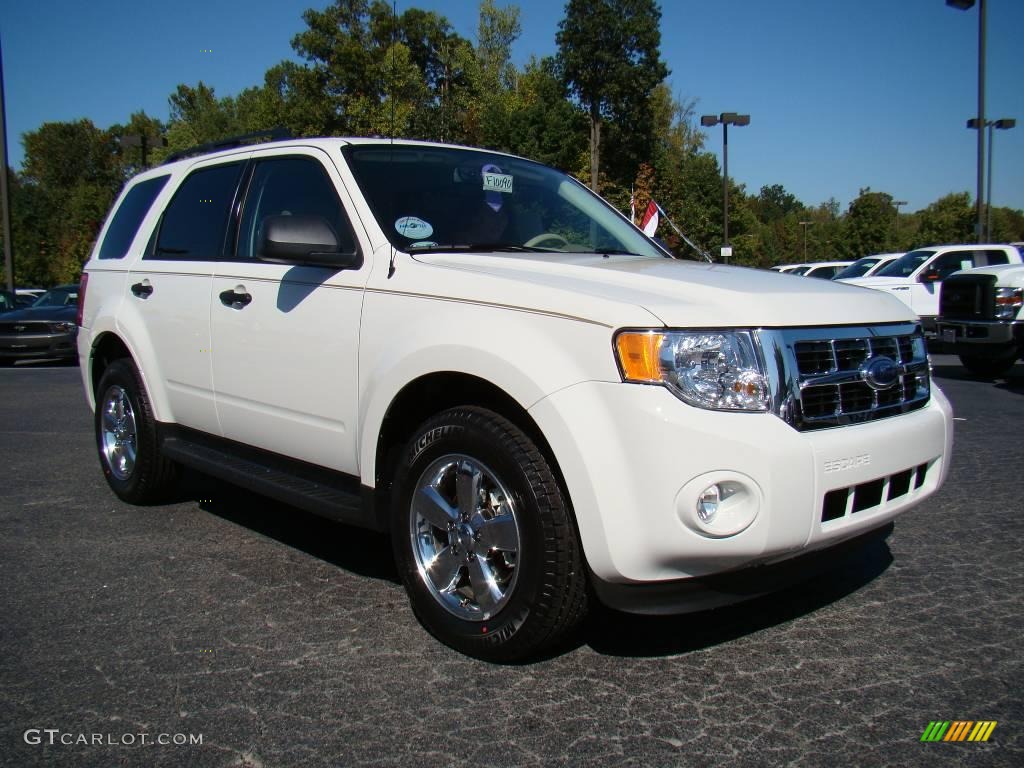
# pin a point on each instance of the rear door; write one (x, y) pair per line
(285, 338)
(169, 291)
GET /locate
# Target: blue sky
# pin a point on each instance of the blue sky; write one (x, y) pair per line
(842, 94)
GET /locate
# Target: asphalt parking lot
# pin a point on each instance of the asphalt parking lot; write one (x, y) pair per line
(280, 639)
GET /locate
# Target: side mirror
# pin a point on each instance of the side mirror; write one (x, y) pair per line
(303, 239)
(931, 276)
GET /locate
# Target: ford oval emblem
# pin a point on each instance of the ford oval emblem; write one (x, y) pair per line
(880, 372)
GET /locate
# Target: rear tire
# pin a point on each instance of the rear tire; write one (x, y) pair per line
(126, 437)
(989, 367)
(484, 539)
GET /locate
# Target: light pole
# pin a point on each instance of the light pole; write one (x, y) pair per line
(805, 225)
(143, 141)
(896, 204)
(1003, 124)
(726, 119)
(964, 5)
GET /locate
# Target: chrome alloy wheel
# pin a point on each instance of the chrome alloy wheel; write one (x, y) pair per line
(120, 443)
(465, 537)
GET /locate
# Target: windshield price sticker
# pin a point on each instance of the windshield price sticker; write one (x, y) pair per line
(498, 182)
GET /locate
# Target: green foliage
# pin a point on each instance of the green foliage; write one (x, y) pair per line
(609, 52)
(869, 224)
(949, 219)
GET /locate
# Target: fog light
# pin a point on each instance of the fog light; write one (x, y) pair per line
(719, 504)
(707, 503)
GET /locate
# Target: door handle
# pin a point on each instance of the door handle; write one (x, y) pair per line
(142, 290)
(236, 298)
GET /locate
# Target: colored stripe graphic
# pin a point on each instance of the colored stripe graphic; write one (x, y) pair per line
(982, 730)
(959, 730)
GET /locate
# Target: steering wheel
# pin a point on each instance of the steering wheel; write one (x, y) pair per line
(543, 237)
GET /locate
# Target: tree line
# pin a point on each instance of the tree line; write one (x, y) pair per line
(599, 109)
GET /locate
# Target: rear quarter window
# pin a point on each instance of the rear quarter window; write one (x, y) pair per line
(129, 216)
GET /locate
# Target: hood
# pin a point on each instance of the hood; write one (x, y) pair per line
(678, 293)
(1006, 274)
(42, 314)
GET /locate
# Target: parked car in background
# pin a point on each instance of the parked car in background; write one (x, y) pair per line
(47, 329)
(866, 266)
(823, 269)
(916, 277)
(981, 318)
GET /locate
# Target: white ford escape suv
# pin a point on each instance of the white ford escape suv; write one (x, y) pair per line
(474, 352)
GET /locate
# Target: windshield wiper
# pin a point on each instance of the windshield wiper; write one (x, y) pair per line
(614, 252)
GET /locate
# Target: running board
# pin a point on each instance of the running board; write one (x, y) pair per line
(315, 489)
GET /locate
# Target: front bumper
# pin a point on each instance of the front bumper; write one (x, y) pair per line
(973, 336)
(706, 592)
(635, 457)
(37, 346)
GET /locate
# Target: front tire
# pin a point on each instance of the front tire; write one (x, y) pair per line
(484, 539)
(126, 437)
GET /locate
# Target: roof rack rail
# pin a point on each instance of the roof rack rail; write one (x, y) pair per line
(274, 134)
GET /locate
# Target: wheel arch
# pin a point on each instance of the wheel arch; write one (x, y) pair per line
(432, 393)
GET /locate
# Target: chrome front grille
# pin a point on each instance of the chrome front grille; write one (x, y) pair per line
(832, 377)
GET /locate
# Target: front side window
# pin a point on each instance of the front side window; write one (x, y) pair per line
(291, 186)
(129, 216)
(447, 198)
(905, 265)
(195, 221)
(948, 263)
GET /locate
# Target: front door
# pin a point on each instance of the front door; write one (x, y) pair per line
(285, 338)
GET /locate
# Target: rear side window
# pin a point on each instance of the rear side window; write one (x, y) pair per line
(129, 216)
(196, 218)
(996, 257)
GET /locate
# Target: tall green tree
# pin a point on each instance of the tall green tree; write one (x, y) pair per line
(949, 219)
(610, 58)
(869, 224)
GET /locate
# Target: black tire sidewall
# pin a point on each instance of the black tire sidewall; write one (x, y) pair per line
(122, 374)
(499, 636)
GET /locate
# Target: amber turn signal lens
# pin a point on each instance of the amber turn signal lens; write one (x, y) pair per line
(638, 355)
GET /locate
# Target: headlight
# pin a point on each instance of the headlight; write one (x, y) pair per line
(1008, 303)
(63, 327)
(719, 370)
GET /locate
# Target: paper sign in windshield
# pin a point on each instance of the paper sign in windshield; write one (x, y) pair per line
(498, 182)
(413, 228)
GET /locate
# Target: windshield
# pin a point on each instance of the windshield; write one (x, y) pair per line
(57, 298)
(857, 269)
(446, 198)
(905, 265)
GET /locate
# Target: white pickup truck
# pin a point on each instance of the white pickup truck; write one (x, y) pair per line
(915, 278)
(476, 353)
(981, 318)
